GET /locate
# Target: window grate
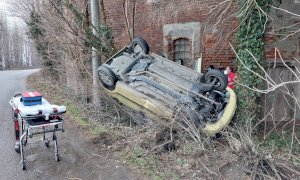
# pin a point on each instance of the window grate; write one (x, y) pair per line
(182, 51)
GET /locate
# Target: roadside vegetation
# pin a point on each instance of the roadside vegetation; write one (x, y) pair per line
(162, 150)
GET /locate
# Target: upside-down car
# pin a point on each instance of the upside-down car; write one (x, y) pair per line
(162, 88)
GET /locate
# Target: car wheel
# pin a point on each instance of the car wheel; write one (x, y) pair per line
(107, 77)
(139, 45)
(218, 79)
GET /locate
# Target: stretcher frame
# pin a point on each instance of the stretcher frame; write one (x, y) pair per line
(34, 125)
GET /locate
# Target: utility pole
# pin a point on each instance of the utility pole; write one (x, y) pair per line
(95, 55)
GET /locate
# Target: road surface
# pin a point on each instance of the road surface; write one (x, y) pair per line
(79, 160)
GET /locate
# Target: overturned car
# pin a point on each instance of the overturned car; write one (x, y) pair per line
(162, 88)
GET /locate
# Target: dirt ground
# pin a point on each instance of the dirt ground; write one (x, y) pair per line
(80, 153)
(139, 148)
(80, 158)
(115, 151)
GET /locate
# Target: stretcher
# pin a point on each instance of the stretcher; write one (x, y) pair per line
(36, 119)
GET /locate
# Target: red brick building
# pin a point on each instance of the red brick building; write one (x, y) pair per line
(163, 22)
(185, 29)
(174, 29)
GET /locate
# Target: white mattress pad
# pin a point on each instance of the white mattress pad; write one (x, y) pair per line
(43, 109)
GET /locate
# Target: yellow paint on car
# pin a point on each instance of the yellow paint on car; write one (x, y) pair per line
(213, 128)
(140, 102)
(140, 99)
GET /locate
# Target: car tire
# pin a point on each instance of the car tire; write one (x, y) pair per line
(139, 45)
(218, 78)
(107, 77)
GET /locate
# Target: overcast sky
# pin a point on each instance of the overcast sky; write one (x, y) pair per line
(5, 12)
(3, 6)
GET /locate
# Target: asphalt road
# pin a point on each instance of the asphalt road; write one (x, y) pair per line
(79, 160)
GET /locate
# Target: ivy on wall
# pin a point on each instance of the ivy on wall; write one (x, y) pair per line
(250, 36)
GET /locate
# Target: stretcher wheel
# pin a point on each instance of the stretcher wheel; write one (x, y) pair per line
(55, 148)
(23, 165)
(47, 142)
(57, 157)
(17, 147)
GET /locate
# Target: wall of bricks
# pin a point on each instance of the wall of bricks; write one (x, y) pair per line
(276, 49)
(284, 40)
(215, 50)
(149, 26)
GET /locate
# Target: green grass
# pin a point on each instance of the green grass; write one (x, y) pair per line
(149, 163)
(72, 110)
(98, 131)
(281, 143)
(283, 146)
(75, 112)
(136, 157)
(181, 162)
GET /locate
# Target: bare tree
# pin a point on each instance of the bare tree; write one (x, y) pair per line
(15, 48)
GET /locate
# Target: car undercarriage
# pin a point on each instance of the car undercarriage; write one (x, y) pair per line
(166, 88)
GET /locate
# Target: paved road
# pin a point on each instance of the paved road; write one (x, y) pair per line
(10, 82)
(78, 159)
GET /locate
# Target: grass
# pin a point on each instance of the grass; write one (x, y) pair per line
(149, 163)
(98, 131)
(75, 112)
(281, 143)
(134, 152)
(282, 146)
(72, 109)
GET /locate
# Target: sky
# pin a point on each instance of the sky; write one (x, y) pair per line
(5, 12)
(3, 7)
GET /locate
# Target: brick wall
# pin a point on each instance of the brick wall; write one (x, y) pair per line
(149, 25)
(276, 49)
(283, 39)
(215, 50)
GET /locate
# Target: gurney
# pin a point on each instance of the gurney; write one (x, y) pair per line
(35, 119)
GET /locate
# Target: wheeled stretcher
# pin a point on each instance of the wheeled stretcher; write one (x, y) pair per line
(36, 119)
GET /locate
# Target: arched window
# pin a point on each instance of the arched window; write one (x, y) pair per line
(182, 50)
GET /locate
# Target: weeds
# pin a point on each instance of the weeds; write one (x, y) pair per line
(147, 149)
(280, 142)
(149, 163)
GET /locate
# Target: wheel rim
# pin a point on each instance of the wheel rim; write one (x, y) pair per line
(106, 78)
(214, 80)
(137, 48)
